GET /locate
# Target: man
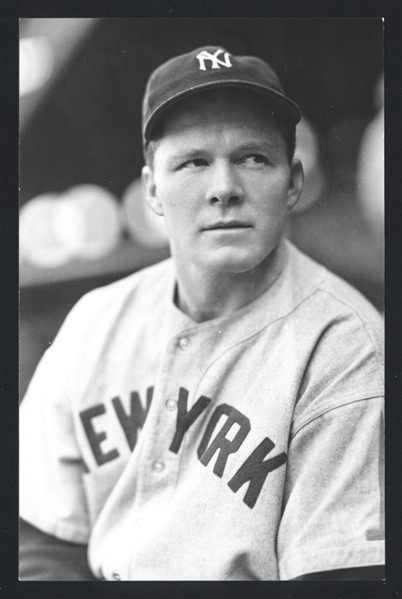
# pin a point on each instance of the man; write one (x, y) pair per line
(217, 416)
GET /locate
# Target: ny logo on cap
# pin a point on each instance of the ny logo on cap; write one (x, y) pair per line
(205, 55)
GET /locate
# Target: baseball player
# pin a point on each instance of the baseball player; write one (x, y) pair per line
(217, 416)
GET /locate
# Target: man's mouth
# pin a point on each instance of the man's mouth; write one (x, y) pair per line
(230, 224)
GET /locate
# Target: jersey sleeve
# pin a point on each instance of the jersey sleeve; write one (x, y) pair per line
(51, 488)
(333, 511)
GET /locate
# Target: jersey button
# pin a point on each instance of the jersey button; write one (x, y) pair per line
(184, 343)
(158, 466)
(116, 576)
(171, 404)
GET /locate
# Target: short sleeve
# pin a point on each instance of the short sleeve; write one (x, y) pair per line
(333, 511)
(51, 489)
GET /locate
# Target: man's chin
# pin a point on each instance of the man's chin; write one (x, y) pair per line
(231, 262)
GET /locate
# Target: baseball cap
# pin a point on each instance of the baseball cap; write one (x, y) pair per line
(207, 68)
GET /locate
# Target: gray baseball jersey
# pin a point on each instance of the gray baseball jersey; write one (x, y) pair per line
(248, 447)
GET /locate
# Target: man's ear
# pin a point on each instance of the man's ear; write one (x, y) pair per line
(295, 184)
(150, 191)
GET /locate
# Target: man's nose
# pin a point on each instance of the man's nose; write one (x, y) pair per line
(224, 186)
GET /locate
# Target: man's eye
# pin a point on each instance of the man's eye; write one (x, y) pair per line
(254, 159)
(195, 162)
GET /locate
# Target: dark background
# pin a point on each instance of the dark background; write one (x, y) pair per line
(87, 129)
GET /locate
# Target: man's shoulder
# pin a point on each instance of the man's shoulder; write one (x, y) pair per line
(339, 334)
(105, 306)
(328, 293)
(335, 316)
(148, 280)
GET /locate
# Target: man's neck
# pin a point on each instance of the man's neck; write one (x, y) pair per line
(204, 295)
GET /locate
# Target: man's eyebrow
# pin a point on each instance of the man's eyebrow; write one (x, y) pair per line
(258, 145)
(196, 152)
(186, 154)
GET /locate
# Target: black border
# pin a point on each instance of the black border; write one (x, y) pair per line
(11, 12)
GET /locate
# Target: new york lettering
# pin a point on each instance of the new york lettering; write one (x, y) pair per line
(223, 443)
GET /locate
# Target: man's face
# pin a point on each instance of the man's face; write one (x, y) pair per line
(222, 179)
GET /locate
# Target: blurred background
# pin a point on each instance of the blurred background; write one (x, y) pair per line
(83, 222)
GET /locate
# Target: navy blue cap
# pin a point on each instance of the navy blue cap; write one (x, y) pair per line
(207, 68)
